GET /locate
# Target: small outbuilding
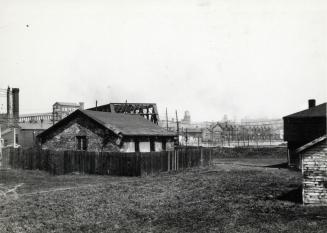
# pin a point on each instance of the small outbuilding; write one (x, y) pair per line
(314, 171)
(303, 127)
(106, 131)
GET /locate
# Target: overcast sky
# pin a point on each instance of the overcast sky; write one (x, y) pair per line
(255, 58)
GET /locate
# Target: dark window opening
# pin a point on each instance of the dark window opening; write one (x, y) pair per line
(137, 146)
(81, 143)
(152, 145)
(164, 144)
(16, 138)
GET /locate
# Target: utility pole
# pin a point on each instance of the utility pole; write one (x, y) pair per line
(53, 120)
(177, 124)
(167, 118)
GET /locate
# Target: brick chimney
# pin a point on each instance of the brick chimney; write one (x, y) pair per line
(15, 102)
(312, 103)
(9, 103)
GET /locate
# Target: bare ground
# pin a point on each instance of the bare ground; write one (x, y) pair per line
(235, 195)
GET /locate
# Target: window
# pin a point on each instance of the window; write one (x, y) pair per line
(164, 144)
(16, 138)
(152, 146)
(137, 146)
(81, 143)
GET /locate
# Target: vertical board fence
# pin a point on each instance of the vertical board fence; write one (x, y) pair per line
(107, 163)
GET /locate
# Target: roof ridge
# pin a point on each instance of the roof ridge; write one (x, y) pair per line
(308, 111)
(310, 144)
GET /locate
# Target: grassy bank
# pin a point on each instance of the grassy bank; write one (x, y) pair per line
(250, 152)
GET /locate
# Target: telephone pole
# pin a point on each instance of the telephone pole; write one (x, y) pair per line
(167, 118)
(177, 124)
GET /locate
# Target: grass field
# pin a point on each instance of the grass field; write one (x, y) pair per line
(234, 195)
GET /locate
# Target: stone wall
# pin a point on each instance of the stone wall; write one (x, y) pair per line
(314, 170)
(66, 139)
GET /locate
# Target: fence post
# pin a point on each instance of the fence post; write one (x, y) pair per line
(168, 167)
(210, 162)
(174, 160)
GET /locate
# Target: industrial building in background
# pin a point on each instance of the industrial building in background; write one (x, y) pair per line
(59, 111)
(28, 126)
(226, 133)
(9, 119)
(20, 130)
(62, 109)
(147, 110)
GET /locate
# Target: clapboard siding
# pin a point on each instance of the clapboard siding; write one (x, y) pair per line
(314, 170)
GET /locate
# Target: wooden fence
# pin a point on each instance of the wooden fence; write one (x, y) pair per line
(107, 163)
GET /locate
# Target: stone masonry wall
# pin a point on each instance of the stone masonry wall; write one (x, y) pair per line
(66, 140)
(314, 170)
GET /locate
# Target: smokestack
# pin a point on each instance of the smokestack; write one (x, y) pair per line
(81, 105)
(15, 102)
(9, 102)
(312, 103)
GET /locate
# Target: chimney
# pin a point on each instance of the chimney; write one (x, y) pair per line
(81, 105)
(15, 102)
(312, 103)
(9, 102)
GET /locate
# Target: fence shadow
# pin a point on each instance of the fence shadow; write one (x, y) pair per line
(279, 165)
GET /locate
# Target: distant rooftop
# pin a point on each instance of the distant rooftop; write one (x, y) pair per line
(35, 126)
(34, 114)
(67, 104)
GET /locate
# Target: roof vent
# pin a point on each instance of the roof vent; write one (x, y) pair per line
(312, 103)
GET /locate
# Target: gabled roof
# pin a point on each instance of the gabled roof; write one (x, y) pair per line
(125, 124)
(317, 111)
(310, 144)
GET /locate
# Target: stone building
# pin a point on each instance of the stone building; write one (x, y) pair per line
(105, 131)
(314, 171)
(302, 127)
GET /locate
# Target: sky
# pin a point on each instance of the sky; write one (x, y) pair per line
(250, 58)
